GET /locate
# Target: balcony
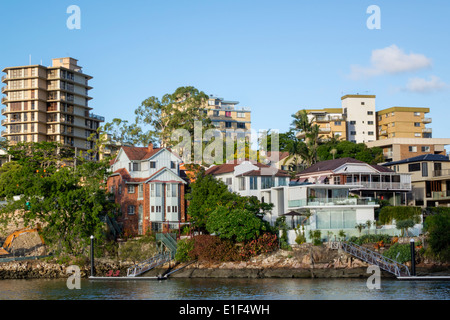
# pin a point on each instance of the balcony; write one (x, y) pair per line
(441, 173)
(4, 78)
(4, 110)
(371, 185)
(427, 130)
(318, 202)
(4, 133)
(426, 120)
(4, 89)
(383, 133)
(96, 117)
(4, 122)
(325, 130)
(441, 195)
(4, 100)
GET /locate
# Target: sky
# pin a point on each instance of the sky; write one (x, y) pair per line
(275, 57)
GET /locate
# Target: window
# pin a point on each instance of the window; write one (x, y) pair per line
(241, 183)
(227, 124)
(152, 164)
(424, 169)
(417, 114)
(131, 209)
(363, 103)
(267, 182)
(370, 113)
(240, 114)
(370, 133)
(141, 191)
(131, 188)
(370, 122)
(253, 183)
(425, 149)
(282, 182)
(216, 113)
(413, 167)
(416, 124)
(119, 190)
(337, 180)
(134, 166)
(417, 134)
(228, 114)
(337, 123)
(229, 181)
(241, 125)
(352, 133)
(412, 148)
(353, 122)
(173, 165)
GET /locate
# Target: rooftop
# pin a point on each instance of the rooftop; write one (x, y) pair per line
(424, 157)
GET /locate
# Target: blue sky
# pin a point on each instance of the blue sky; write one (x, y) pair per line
(274, 56)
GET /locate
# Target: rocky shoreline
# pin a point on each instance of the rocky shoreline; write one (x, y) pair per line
(306, 262)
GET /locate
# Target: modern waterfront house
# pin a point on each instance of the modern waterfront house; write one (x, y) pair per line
(147, 183)
(430, 174)
(248, 178)
(362, 179)
(328, 208)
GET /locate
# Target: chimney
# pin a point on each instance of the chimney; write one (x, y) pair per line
(150, 147)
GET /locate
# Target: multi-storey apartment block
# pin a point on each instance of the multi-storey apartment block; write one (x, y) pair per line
(226, 116)
(49, 104)
(403, 122)
(331, 123)
(359, 111)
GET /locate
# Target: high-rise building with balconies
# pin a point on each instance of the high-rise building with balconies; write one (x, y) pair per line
(49, 104)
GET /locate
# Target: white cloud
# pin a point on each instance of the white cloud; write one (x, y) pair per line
(390, 60)
(420, 85)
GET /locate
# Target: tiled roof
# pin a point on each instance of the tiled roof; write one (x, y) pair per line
(329, 165)
(230, 166)
(139, 153)
(424, 157)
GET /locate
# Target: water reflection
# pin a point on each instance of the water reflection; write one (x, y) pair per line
(224, 289)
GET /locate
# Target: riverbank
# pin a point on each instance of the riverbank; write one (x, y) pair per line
(301, 262)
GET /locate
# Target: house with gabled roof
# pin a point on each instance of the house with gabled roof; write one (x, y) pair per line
(147, 184)
(247, 177)
(364, 179)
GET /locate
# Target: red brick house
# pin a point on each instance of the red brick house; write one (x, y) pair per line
(146, 182)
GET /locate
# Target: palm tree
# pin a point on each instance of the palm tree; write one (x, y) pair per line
(360, 227)
(368, 224)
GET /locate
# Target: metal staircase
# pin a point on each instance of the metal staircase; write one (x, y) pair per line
(167, 250)
(374, 258)
(149, 264)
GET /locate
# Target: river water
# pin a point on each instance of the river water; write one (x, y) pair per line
(225, 289)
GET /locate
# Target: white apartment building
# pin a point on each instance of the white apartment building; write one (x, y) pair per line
(360, 114)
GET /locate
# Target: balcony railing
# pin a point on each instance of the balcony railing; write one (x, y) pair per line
(427, 130)
(4, 89)
(4, 110)
(4, 132)
(441, 173)
(441, 195)
(96, 117)
(427, 120)
(4, 78)
(324, 129)
(4, 122)
(380, 185)
(4, 100)
(316, 202)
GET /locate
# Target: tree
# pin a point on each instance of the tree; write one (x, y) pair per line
(178, 110)
(123, 133)
(307, 149)
(67, 202)
(360, 227)
(437, 226)
(336, 149)
(235, 224)
(404, 225)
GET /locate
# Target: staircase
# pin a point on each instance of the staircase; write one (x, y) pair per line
(149, 264)
(168, 240)
(375, 258)
(167, 251)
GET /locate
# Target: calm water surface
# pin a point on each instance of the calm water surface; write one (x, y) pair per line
(225, 289)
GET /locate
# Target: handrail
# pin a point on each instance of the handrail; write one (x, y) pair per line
(148, 264)
(375, 258)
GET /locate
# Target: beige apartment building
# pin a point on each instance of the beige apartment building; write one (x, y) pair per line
(403, 122)
(49, 104)
(331, 123)
(225, 115)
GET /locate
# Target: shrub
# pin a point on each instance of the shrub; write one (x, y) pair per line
(264, 244)
(213, 249)
(184, 250)
(390, 213)
(399, 252)
(371, 238)
(438, 227)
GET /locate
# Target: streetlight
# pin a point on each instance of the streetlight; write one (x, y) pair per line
(92, 257)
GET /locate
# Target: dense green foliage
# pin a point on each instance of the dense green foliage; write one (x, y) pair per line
(336, 149)
(184, 248)
(399, 213)
(399, 252)
(370, 238)
(67, 201)
(438, 226)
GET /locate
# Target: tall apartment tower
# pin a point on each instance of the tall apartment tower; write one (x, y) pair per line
(359, 111)
(49, 104)
(403, 122)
